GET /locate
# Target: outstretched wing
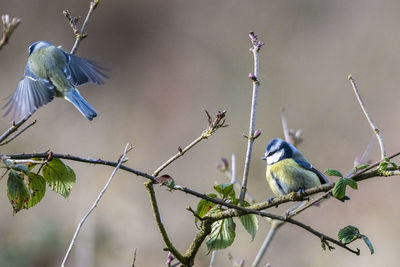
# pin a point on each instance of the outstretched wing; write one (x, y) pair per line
(84, 71)
(30, 94)
(306, 165)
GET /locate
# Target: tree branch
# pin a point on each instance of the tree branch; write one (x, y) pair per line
(128, 147)
(250, 138)
(371, 122)
(79, 34)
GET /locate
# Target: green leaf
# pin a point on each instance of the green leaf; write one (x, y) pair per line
(222, 234)
(361, 167)
(249, 222)
(225, 190)
(383, 165)
(333, 172)
(59, 177)
(37, 185)
(339, 190)
(368, 243)
(17, 191)
(204, 206)
(394, 165)
(348, 234)
(21, 168)
(353, 184)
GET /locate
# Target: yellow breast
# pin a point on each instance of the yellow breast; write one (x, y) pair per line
(287, 176)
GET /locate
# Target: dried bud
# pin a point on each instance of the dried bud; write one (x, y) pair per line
(179, 149)
(253, 37)
(252, 77)
(257, 133)
(50, 156)
(165, 180)
(169, 260)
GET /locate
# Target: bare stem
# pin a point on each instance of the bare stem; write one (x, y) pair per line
(256, 45)
(81, 35)
(371, 122)
(275, 225)
(213, 125)
(9, 25)
(178, 155)
(14, 127)
(18, 134)
(285, 126)
(96, 202)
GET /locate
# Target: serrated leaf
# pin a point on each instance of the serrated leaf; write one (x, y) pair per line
(339, 190)
(368, 243)
(222, 234)
(249, 222)
(20, 167)
(204, 206)
(59, 177)
(348, 234)
(17, 191)
(37, 185)
(350, 182)
(225, 190)
(333, 172)
(361, 167)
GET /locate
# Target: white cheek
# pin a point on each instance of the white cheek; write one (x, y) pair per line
(274, 157)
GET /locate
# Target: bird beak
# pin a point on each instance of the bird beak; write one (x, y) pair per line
(264, 157)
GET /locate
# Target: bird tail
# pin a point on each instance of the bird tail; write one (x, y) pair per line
(81, 104)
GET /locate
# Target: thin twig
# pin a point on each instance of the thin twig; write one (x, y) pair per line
(256, 45)
(371, 122)
(178, 155)
(212, 260)
(229, 174)
(134, 257)
(14, 127)
(363, 158)
(213, 125)
(81, 35)
(285, 126)
(233, 163)
(96, 202)
(275, 225)
(9, 26)
(18, 134)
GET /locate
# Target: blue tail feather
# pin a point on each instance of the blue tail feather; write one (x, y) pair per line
(81, 104)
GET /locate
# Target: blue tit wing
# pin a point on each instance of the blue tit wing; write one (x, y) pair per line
(306, 165)
(31, 93)
(82, 71)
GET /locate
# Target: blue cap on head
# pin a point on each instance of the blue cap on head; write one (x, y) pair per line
(37, 45)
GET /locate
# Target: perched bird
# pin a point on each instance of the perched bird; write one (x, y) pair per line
(51, 72)
(288, 170)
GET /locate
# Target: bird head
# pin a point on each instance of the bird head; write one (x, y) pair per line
(277, 150)
(37, 45)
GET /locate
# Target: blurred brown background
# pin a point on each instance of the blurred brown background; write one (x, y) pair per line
(170, 60)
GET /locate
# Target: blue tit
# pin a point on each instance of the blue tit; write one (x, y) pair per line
(51, 72)
(288, 170)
